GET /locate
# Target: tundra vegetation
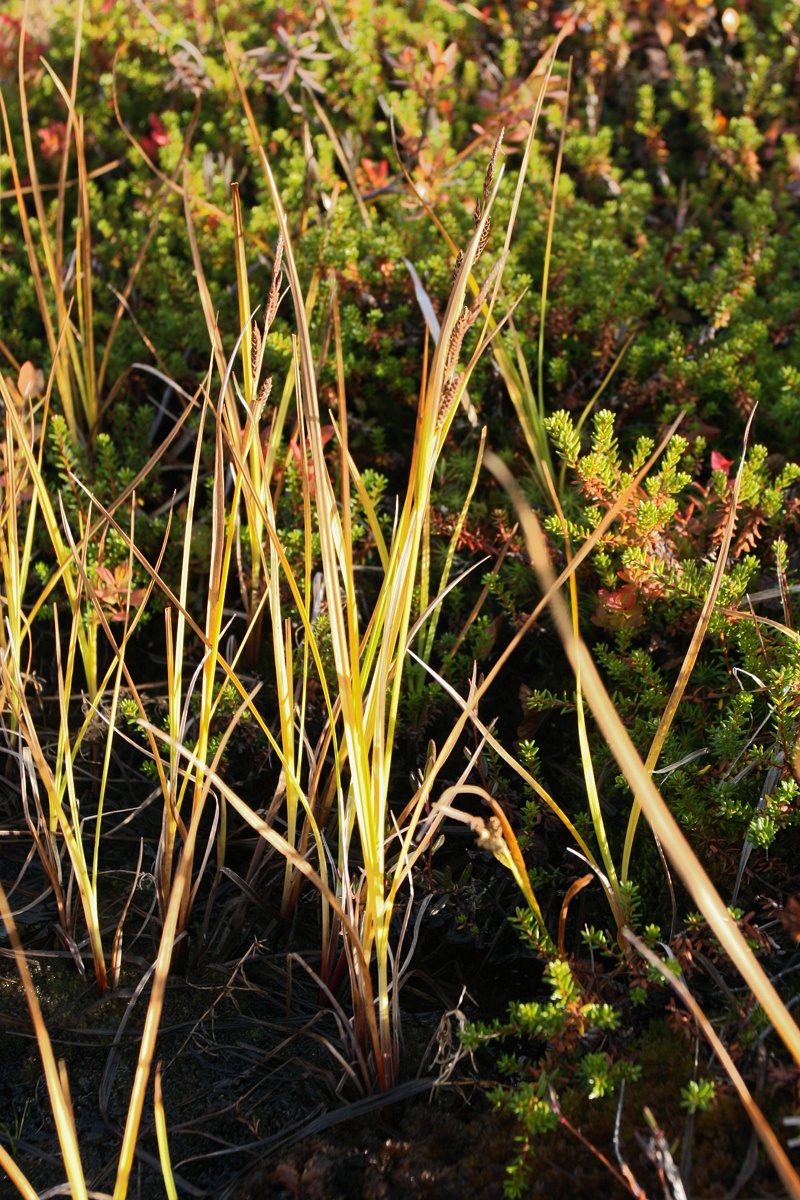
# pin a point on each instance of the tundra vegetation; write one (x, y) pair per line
(399, 551)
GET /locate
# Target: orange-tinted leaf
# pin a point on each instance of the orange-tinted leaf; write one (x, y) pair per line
(30, 381)
(52, 137)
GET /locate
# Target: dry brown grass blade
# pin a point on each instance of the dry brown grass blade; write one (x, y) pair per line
(762, 1127)
(202, 287)
(243, 293)
(664, 825)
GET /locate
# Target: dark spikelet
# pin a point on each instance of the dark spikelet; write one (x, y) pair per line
(273, 301)
(456, 338)
(277, 265)
(484, 238)
(265, 390)
(255, 348)
(457, 267)
(487, 183)
(274, 295)
(476, 216)
(448, 396)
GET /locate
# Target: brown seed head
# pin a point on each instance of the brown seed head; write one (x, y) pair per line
(265, 390)
(449, 391)
(255, 349)
(487, 182)
(454, 345)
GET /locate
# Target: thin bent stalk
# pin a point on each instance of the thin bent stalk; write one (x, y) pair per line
(548, 250)
(690, 658)
(616, 897)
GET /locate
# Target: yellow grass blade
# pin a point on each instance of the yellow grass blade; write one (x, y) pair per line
(243, 293)
(548, 248)
(342, 157)
(148, 1042)
(590, 781)
(161, 1135)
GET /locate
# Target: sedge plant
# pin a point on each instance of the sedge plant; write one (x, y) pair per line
(368, 660)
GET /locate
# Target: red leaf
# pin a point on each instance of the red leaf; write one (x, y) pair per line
(720, 463)
(156, 138)
(157, 131)
(376, 172)
(52, 138)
